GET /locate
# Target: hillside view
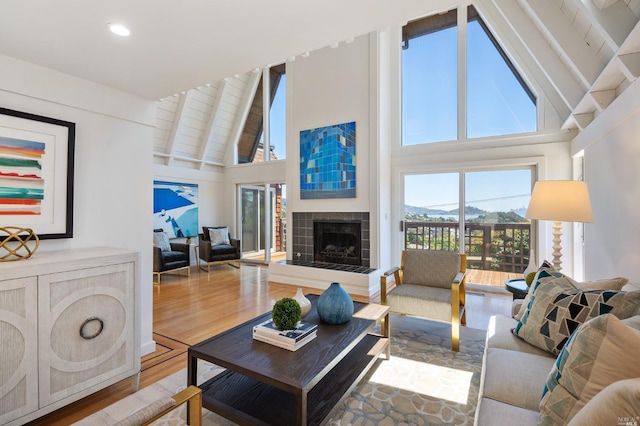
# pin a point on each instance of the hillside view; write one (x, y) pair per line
(473, 215)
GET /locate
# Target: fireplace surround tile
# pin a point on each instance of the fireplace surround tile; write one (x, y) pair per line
(302, 232)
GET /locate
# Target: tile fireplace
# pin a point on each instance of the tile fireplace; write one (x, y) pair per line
(331, 237)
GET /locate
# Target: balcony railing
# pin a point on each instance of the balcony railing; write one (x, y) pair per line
(489, 246)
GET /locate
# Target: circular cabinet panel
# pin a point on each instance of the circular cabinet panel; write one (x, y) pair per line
(18, 343)
(90, 328)
(87, 331)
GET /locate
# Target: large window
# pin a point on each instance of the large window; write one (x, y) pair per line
(430, 90)
(492, 231)
(278, 121)
(252, 147)
(498, 102)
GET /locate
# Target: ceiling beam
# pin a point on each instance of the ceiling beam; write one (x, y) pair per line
(630, 65)
(554, 69)
(563, 36)
(207, 138)
(603, 98)
(583, 120)
(243, 111)
(176, 126)
(614, 22)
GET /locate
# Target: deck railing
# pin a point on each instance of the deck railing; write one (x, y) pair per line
(489, 246)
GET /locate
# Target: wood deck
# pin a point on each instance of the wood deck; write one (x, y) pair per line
(490, 278)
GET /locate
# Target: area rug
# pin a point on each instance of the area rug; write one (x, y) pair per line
(424, 383)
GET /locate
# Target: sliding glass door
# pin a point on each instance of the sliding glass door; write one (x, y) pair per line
(263, 224)
(490, 228)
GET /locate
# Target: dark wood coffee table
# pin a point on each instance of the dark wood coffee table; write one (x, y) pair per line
(264, 384)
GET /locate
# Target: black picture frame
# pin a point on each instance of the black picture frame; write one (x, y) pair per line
(54, 217)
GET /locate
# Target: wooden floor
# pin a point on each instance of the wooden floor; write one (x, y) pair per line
(489, 278)
(186, 312)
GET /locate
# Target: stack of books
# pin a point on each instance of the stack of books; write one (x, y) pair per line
(292, 340)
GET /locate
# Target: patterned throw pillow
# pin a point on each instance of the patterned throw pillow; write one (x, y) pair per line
(219, 236)
(557, 308)
(613, 405)
(547, 272)
(601, 352)
(161, 240)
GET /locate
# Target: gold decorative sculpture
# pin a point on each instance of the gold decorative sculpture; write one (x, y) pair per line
(13, 241)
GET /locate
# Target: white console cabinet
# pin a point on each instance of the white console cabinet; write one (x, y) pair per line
(68, 327)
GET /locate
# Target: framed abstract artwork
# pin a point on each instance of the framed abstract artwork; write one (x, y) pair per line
(175, 208)
(328, 162)
(36, 173)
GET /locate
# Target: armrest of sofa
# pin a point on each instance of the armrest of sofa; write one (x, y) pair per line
(157, 259)
(237, 244)
(516, 306)
(204, 248)
(148, 414)
(395, 271)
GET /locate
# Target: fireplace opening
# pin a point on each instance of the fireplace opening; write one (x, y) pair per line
(337, 242)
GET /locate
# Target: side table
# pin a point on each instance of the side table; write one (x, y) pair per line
(195, 252)
(517, 286)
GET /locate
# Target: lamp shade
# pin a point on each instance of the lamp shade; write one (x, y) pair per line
(560, 200)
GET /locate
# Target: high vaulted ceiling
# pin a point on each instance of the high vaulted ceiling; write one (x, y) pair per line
(176, 45)
(581, 54)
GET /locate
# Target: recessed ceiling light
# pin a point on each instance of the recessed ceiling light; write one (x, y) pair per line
(119, 29)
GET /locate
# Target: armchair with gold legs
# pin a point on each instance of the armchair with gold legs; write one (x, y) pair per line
(429, 284)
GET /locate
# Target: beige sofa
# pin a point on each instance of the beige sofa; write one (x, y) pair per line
(514, 375)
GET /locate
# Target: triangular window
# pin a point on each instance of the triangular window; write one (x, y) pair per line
(498, 102)
(251, 144)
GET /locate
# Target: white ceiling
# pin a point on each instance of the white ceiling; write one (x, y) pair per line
(176, 45)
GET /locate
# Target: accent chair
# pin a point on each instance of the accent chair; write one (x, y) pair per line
(217, 247)
(429, 284)
(169, 257)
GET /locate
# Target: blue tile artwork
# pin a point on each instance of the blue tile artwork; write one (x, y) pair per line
(328, 162)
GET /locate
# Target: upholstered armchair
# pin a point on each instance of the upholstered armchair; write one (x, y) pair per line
(169, 257)
(429, 284)
(217, 247)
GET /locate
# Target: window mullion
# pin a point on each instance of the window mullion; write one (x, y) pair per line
(462, 73)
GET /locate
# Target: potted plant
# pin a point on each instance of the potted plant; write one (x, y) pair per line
(286, 313)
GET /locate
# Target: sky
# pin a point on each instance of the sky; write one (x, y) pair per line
(278, 120)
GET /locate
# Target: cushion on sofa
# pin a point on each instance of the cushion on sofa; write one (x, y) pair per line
(219, 236)
(545, 271)
(499, 335)
(422, 301)
(547, 274)
(616, 404)
(557, 308)
(515, 378)
(161, 240)
(491, 412)
(602, 351)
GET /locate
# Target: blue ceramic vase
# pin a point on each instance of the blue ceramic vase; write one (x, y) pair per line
(335, 306)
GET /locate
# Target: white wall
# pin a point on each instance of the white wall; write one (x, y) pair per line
(113, 196)
(612, 171)
(331, 86)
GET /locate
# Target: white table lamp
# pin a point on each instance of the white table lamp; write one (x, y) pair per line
(560, 201)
